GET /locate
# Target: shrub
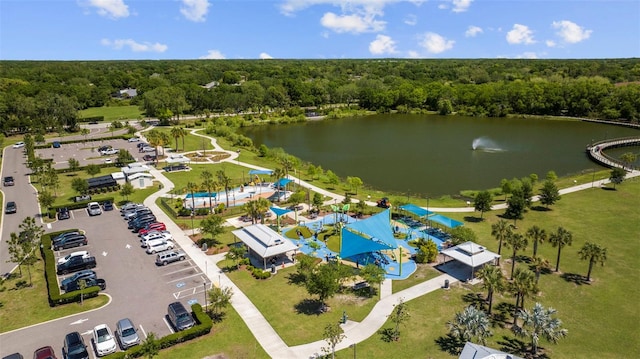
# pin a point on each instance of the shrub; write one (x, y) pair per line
(202, 211)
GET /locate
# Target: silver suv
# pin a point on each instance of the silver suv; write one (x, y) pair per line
(166, 257)
(158, 245)
(94, 208)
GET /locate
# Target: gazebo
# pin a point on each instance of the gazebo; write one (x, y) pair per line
(264, 242)
(471, 255)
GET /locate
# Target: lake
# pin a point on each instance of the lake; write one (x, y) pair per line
(429, 155)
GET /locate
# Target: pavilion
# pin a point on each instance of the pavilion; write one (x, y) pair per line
(471, 255)
(264, 242)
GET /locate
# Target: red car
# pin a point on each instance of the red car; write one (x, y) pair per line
(44, 353)
(156, 226)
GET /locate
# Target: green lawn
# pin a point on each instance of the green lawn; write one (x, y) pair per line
(113, 113)
(33, 303)
(191, 142)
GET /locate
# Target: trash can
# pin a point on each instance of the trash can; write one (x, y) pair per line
(204, 247)
(446, 284)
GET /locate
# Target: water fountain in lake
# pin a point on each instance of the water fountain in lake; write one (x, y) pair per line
(485, 144)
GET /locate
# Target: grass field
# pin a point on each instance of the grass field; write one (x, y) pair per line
(113, 113)
(191, 142)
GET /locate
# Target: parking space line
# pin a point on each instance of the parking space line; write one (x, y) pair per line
(179, 270)
(164, 318)
(182, 278)
(143, 332)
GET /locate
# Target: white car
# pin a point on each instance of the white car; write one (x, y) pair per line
(18, 144)
(151, 236)
(108, 160)
(158, 245)
(65, 259)
(104, 340)
(94, 208)
(134, 139)
(110, 151)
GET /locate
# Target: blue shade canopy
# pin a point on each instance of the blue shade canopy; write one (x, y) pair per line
(353, 244)
(419, 211)
(445, 221)
(369, 235)
(282, 182)
(260, 172)
(280, 211)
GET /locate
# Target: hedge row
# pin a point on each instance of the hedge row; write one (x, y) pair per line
(90, 119)
(203, 327)
(82, 168)
(55, 298)
(258, 273)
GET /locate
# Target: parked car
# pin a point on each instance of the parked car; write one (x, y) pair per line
(11, 207)
(166, 257)
(74, 347)
(44, 353)
(90, 282)
(104, 148)
(127, 333)
(153, 226)
(70, 242)
(83, 274)
(110, 151)
(134, 139)
(142, 144)
(13, 356)
(128, 206)
(18, 144)
(75, 264)
(94, 208)
(56, 144)
(179, 317)
(103, 340)
(108, 160)
(82, 198)
(64, 234)
(107, 206)
(8, 181)
(142, 223)
(147, 149)
(165, 235)
(63, 213)
(84, 254)
(149, 157)
(158, 245)
(134, 212)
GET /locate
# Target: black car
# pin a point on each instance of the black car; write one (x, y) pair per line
(12, 207)
(63, 235)
(83, 274)
(76, 240)
(73, 286)
(74, 347)
(75, 264)
(107, 206)
(63, 213)
(8, 181)
(136, 227)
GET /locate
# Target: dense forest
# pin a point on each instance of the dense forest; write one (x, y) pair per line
(46, 96)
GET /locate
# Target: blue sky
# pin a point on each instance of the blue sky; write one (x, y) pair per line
(317, 29)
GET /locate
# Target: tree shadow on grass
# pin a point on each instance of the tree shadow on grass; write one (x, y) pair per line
(608, 188)
(450, 344)
(217, 317)
(474, 299)
(310, 307)
(513, 346)
(387, 335)
(540, 209)
(575, 278)
(473, 219)
(296, 278)
(503, 314)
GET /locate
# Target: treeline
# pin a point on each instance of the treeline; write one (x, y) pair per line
(46, 96)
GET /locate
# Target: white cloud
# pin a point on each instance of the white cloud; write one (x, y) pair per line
(411, 20)
(413, 54)
(456, 5)
(472, 31)
(134, 46)
(195, 10)
(265, 56)
(435, 43)
(520, 34)
(289, 7)
(571, 32)
(527, 55)
(213, 55)
(550, 43)
(351, 23)
(113, 9)
(383, 44)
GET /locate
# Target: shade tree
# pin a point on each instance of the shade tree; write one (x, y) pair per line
(560, 238)
(593, 253)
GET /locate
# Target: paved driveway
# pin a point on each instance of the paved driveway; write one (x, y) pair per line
(139, 289)
(87, 152)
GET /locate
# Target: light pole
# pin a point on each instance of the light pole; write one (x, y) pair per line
(204, 284)
(354, 349)
(193, 230)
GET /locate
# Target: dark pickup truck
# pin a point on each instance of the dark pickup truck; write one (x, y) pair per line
(89, 282)
(75, 264)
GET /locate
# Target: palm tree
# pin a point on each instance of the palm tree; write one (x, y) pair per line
(209, 184)
(183, 134)
(263, 206)
(541, 324)
(164, 140)
(536, 235)
(469, 324)
(192, 187)
(517, 242)
(560, 239)
(176, 132)
(594, 253)
(225, 181)
(500, 230)
(153, 136)
(523, 284)
(492, 281)
(251, 208)
(538, 264)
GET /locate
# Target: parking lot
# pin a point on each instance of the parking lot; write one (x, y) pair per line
(87, 152)
(140, 289)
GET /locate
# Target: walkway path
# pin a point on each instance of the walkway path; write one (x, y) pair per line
(275, 347)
